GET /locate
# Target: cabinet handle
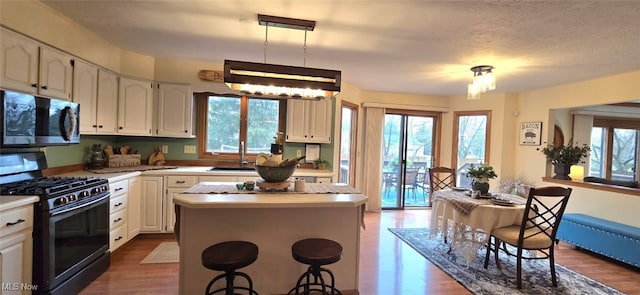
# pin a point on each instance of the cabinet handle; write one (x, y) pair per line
(16, 222)
(117, 205)
(119, 189)
(120, 128)
(118, 238)
(180, 181)
(45, 87)
(186, 131)
(100, 126)
(117, 220)
(34, 85)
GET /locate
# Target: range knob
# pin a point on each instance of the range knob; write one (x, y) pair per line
(84, 194)
(72, 197)
(61, 201)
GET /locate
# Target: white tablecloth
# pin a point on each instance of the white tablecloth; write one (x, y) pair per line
(467, 233)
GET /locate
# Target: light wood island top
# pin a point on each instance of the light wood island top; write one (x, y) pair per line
(269, 200)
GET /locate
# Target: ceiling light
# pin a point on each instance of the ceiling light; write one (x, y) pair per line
(281, 81)
(483, 81)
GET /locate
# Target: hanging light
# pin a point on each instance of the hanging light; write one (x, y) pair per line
(271, 80)
(483, 81)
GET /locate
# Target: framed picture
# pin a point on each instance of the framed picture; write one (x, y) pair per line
(531, 133)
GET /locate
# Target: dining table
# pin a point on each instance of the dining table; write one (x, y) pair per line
(466, 222)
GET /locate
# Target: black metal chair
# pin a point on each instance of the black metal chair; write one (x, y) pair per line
(229, 257)
(316, 252)
(537, 231)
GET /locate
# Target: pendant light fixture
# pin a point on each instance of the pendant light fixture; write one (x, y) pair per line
(280, 81)
(483, 81)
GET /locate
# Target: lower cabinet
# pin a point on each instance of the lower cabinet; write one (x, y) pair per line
(134, 208)
(151, 197)
(174, 186)
(118, 214)
(16, 249)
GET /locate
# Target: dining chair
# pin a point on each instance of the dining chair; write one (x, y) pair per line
(537, 231)
(441, 178)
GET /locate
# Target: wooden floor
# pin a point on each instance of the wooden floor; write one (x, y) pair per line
(387, 265)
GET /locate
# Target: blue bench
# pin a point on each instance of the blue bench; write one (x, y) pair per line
(615, 240)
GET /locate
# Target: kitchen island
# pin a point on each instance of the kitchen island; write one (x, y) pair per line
(273, 221)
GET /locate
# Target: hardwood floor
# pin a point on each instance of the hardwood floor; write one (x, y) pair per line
(387, 265)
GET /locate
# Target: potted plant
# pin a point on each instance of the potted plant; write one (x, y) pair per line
(563, 156)
(481, 174)
(321, 164)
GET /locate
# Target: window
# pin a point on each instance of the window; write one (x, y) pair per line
(348, 143)
(614, 149)
(235, 124)
(471, 141)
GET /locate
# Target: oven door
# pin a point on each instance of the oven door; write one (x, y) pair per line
(69, 241)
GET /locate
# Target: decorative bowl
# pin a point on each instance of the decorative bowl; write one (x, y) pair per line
(275, 173)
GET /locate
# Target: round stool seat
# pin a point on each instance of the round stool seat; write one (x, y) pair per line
(230, 255)
(316, 251)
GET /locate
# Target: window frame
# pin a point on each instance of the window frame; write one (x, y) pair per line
(202, 106)
(609, 124)
(456, 129)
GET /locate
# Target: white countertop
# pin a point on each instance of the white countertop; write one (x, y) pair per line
(8, 202)
(192, 171)
(269, 200)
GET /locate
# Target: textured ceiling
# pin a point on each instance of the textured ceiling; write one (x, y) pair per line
(422, 47)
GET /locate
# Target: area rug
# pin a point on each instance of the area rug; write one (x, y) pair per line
(535, 273)
(166, 252)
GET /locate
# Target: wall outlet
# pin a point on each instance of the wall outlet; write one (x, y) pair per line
(299, 153)
(189, 149)
(165, 149)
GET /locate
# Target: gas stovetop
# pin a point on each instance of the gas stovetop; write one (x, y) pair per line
(55, 192)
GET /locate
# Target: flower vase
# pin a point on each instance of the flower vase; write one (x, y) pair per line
(561, 171)
(480, 184)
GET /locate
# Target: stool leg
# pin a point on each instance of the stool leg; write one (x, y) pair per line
(207, 291)
(230, 276)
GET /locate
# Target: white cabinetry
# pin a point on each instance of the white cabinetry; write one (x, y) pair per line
(118, 214)
(31, 67)
(309, 121)
(18, 62)
(96, 90)
(56, 73)
(175, 110)
(175, 185)
(134, 208)
(151, 197)
(135, 105)
(16, 249)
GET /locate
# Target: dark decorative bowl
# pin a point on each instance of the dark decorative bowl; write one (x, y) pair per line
(275, 174)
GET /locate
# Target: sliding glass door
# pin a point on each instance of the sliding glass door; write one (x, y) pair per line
(408, 142)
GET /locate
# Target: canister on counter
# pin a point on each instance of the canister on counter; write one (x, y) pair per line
(298, 185)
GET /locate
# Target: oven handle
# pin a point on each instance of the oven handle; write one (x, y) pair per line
(81, 206)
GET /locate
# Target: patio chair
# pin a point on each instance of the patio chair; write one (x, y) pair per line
(537, 231)
(441, 178)
(422, 182)
(410, 180)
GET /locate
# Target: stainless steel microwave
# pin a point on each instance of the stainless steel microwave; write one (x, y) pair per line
(33, 121)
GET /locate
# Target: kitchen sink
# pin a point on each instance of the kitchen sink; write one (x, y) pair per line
(225, 168)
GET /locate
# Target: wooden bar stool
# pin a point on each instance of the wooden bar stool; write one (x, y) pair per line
(316, 252)
(229, 257)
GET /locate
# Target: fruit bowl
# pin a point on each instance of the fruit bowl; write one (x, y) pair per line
(275, 173)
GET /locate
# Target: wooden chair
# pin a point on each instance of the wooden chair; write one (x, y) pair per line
(441, 178)
(537, 231)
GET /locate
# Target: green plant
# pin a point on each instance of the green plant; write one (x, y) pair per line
(569, 154)
(481, 171)
(320, 161)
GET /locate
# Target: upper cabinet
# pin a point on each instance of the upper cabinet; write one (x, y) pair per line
(107, 103)
(96, 90)
(21, 59)
(175, 110)
(309, 121)
(135, 107)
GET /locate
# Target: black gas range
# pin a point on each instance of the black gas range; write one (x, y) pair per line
(71, 223)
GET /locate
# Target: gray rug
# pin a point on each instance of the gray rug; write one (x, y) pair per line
(536, 278)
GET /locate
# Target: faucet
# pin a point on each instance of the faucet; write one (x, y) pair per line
(242, 160)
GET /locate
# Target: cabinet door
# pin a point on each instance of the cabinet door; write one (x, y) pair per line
(320, 121)
(151, 197)
(296, 121)
(134, 208)
(175, 110)
(85, 92)
(18, 62)
(15, 260)
(135, 105)
(170, 212)
(56, 73)
(107, 103)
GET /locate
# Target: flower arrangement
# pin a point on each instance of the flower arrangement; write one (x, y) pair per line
(481, 171)
(569, 154)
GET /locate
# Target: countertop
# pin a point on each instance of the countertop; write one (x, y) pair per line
(269, 200)
(8, 202)
(191, 171)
